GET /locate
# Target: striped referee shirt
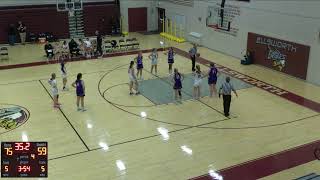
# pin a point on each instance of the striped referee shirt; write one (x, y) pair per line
(226, 88)
(193, 51)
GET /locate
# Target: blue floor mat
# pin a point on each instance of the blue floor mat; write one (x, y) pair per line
(160, 90)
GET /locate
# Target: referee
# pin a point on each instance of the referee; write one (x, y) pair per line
(225, 90)
(193, 53)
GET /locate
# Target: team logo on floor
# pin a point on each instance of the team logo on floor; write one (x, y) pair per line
(12, 116)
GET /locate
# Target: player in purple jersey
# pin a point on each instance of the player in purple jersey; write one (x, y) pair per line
(80, 91)
(177, 84)
(139, 61)
(212, 79)
(170, 54)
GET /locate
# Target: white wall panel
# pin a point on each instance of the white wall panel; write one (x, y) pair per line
(296, 21)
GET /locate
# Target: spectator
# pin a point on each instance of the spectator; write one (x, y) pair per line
(114, 44)
(49, 50)
(65, 49)
(193, 53)
(81, 46)
(99, 44)
(12, 34)
(247, 59)
(22, 32)
(74, 48)
(88, 48)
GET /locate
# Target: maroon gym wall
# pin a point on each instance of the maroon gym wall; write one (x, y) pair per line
(138, 19)
(43, 18)
(93, 15)
(266, 50)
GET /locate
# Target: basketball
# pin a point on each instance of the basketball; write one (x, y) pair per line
(198, 54)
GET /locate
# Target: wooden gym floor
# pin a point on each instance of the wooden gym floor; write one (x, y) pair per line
(272, 132)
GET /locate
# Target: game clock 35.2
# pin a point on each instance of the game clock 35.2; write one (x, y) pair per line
(24, 159)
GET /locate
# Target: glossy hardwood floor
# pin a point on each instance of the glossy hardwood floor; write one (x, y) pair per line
(174, 141)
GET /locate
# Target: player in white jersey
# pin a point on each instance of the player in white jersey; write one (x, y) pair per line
(133, 82)
(87, 48)
(197, 75)
(154, 60)
(54, 90)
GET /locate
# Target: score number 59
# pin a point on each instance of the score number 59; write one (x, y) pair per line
(42, 151)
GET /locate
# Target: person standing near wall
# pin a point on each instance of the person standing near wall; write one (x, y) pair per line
(225, 90)
(193, 53)
(12, 34)
(22, 32)
(99, 43)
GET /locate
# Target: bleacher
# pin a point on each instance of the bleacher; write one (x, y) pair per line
(121, 45)
(311, 176)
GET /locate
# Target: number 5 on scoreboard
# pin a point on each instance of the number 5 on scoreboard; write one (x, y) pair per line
(42, 151)
(43, 169)
(6, 168)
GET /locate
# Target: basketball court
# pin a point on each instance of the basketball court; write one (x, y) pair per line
(272, 132)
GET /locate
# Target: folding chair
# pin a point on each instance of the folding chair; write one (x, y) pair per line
(135, 43)
(114, 45)
(129, 44)
(108, 47)
(122, 45)
(4, 53)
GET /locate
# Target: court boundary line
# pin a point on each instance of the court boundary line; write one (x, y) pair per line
(111, 87)
(222, 113)
(77, 59)
(292, 97)
(297, 162)
(300, 101)
(137, 139)
(66, 118)
(129, 112)
(205, 127)
(285, 94)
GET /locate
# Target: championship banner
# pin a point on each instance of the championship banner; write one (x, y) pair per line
(288, 57)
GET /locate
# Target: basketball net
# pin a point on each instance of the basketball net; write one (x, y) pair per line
(71, 12)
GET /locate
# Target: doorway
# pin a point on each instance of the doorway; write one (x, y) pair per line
(137, 19)
(161, 18)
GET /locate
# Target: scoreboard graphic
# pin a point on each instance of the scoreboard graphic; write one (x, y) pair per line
(24, 159)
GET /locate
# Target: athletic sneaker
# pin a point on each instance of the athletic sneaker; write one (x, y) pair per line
(131, 93)
(83, 110)
(78, 109)
(137, 93)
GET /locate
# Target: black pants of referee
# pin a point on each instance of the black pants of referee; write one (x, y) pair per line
(226, 104)
(99, 49)
(193, 59)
